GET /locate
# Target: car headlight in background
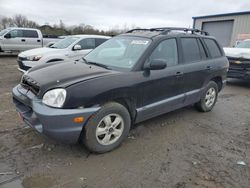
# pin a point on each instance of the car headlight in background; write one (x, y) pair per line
(55, 97)
(34, 58)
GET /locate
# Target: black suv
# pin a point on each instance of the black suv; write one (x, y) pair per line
(128, 79)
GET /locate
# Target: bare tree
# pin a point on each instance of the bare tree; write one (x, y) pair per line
(20, 20)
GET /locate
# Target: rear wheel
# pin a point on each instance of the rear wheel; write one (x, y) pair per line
(107, 128)
(208, 98)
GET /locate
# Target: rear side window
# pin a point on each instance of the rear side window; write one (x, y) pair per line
(213, 48)
(191, 50)
(99, 41)
(30, 34)
(202, 50)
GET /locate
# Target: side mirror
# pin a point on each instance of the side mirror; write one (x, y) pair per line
(77, 47)
(7, 36)
(155, 64)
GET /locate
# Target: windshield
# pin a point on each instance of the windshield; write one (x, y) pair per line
(243, 44)
(120, 52)
(4, 31)
(64, 43)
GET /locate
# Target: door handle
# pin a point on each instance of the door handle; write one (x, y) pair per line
(208, 67)
(38, 40)
(179, 74)
(23, 40)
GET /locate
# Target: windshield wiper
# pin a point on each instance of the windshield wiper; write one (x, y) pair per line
(97, 64)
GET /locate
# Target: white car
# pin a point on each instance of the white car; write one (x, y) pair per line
(70, 48)
(16, 39)
(241, 50)
(239, 59)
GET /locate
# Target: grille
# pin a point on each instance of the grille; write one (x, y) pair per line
(244, 65)
(20, 63)
(30, 84)
(22, 58)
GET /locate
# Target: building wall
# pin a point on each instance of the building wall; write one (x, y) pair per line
(241, 24)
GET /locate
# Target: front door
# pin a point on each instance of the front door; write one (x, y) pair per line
(162, 89)
(15, 42)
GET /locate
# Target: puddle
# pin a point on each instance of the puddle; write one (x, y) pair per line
(38, 181)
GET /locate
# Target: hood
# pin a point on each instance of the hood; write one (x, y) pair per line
(237, 52)
(64, 74)
(39, 51)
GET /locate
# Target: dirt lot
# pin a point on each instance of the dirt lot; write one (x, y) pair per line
(181, 149)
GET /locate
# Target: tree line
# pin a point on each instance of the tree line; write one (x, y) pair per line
(59, 29)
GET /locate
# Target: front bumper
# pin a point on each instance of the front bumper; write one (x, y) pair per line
(239, 68)
(240, 74)
(22, 65)
(53, 122)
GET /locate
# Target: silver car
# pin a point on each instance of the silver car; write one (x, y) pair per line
(70, 48)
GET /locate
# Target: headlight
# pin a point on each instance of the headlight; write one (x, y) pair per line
(55, 97)
(34, 58)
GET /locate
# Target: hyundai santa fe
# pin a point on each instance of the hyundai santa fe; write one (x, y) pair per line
(128, 79)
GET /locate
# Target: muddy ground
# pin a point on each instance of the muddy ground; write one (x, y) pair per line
(181, 149)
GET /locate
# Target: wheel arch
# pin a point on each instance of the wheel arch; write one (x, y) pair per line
(218, 81)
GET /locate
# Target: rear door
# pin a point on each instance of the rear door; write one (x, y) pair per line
(31, 39)
(196, 66)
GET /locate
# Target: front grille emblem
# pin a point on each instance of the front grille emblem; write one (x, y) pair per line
(238, 62)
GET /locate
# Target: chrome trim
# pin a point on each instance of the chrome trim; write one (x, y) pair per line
(168, 100)
(22, 71)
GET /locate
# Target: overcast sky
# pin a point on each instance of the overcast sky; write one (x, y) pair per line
(105, 14)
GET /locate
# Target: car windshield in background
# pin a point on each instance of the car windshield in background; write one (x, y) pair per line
(64, 43)
(243, 44)
(4, 31)
(120, 52)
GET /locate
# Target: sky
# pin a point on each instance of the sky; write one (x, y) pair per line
(108, 14)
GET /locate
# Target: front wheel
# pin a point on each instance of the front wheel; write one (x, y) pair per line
(208, 98)
(107, 128)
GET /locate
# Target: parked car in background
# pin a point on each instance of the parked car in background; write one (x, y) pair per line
(128, 79)
(70, 48)
(239, 59)
(21, 39)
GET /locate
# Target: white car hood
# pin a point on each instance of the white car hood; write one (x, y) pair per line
(40, 51)
(237, 52)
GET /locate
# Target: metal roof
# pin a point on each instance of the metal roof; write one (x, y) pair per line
(220, 15)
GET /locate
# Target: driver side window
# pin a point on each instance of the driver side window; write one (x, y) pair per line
(167, 51)
(16, 33)
(87, 44)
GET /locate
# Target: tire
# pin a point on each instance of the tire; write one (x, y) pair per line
(208, 98)
(103, 132)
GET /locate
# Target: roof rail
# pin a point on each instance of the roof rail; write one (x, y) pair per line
(132, 30)
(166, 30)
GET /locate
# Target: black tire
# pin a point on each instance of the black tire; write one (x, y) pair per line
(201, 105)
(89, 137)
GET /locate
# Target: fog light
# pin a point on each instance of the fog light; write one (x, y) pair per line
(78, 119)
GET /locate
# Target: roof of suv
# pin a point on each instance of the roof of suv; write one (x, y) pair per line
(153, 32)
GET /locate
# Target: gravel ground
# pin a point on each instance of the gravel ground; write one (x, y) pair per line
(184, 148)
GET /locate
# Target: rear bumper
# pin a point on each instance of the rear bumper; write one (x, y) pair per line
(53, 122)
